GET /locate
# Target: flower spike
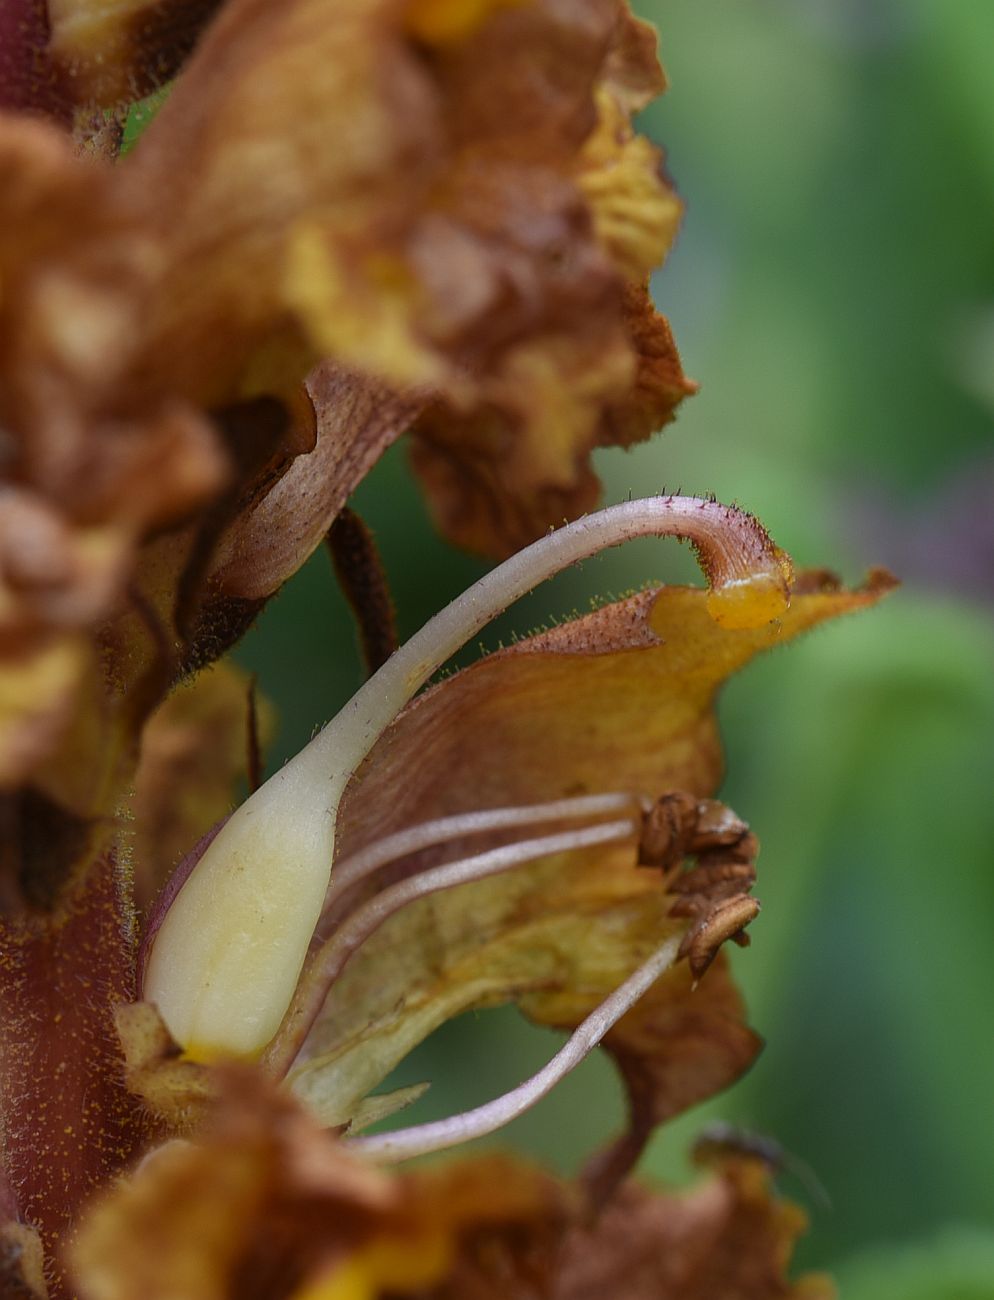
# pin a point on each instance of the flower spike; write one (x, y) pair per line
(228, 953)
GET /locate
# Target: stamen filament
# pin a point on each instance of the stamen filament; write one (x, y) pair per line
(332, 957)
(349, 871)
(229, 951)
(421, 1139)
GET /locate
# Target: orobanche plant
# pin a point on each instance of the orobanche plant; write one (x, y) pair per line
(346, 222)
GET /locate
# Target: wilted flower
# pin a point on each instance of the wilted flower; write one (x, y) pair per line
(448, 201)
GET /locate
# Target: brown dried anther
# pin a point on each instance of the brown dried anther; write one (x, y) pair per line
(679, 825)
(715, 892)
(725, 920)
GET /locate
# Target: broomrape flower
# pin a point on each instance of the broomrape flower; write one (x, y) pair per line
(349, 221)
(580, 910)
(225, 959)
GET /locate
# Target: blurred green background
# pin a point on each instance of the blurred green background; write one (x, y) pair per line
(833, 291)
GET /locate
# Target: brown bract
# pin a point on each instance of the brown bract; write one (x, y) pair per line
(265, 1206)
(446, 202)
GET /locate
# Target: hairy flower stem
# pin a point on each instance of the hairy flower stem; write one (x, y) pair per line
(421, 1139)
(229, 951)
(331, 959)
(69, 1125)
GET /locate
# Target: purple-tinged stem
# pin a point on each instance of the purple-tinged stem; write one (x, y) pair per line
(69, 1124)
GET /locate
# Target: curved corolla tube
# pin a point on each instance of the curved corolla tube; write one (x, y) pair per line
(227, 955)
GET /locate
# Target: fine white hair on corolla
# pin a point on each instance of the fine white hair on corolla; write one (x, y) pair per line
(225, 960)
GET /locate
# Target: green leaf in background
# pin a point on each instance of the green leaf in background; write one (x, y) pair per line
(961, 37)
(956, 1264)
(864, 758)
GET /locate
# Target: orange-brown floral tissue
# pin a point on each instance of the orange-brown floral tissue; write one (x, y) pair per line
(349, 222)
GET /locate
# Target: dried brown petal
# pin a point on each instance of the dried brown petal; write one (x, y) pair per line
(470, 234)
(264, 1206)
(635, 215)
(87, 475)
(632, 71)
(238, 1214)
(660, 384)
(506, 473)
(728, 1237)
(503, 475)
